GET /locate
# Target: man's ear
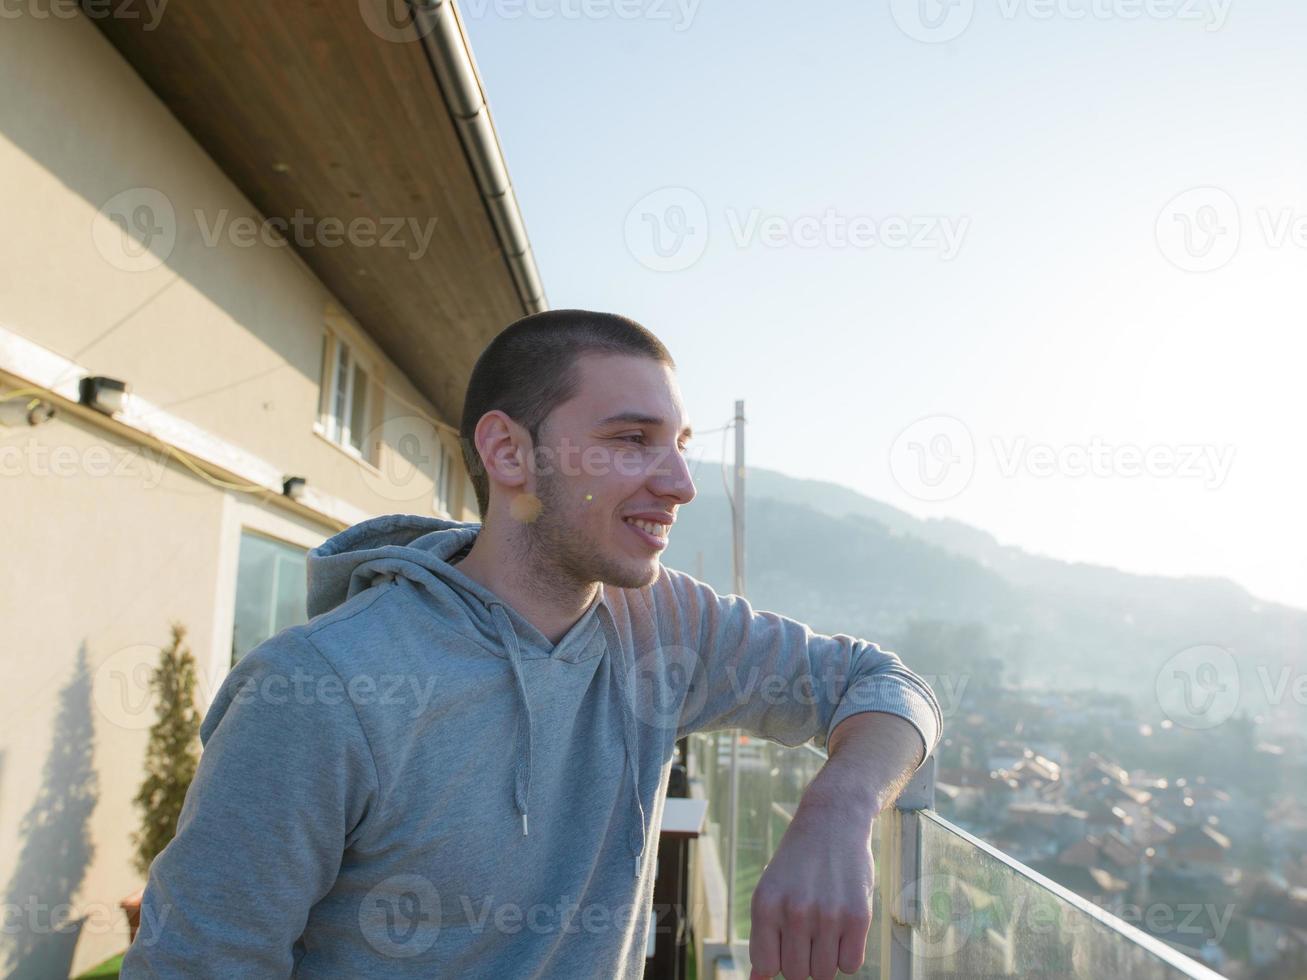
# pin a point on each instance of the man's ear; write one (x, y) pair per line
(504, 448)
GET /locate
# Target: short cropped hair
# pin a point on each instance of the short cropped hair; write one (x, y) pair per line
(530, 368)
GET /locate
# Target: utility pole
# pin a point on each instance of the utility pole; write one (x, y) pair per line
(737, 553)
(737, 511)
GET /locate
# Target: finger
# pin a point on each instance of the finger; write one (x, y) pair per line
(825, 952)
(764, 948)
(796, 954)
(853, 948)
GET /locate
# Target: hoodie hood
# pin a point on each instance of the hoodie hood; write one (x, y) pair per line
(419, 550)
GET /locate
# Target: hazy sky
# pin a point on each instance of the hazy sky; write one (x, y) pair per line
(1038, 265)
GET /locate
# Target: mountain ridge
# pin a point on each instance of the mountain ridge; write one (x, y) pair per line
(828, 555)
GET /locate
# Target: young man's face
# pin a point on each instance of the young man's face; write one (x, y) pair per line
(614, 451)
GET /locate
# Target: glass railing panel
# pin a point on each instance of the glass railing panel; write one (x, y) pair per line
(984, 914)
(771, 781)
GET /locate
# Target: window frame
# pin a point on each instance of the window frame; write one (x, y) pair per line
(282, 545)
(443, 480)
(339, 431)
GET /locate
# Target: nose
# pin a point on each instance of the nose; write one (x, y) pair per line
(672, 478)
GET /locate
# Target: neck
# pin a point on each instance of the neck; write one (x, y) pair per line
(540, 592)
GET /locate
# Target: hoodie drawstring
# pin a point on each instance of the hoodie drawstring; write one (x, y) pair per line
(522, 769)
(619, 667)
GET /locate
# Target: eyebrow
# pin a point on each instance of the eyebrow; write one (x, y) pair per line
(639, 418)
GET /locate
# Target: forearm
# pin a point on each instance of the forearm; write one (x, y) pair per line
(871, 757)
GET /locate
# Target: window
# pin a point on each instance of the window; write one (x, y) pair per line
(271, 591)
(470, 500)
(444, 480)
(346, 404)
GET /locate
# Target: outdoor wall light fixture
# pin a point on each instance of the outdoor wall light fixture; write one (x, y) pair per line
(293, 487)
(107, 395)
(25, 411)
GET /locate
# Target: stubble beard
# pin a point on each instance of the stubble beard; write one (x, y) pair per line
(559, 552)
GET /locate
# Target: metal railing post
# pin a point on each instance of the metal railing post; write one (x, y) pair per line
(733, 818)
(900, 848)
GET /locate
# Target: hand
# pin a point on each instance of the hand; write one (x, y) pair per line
(812, 906)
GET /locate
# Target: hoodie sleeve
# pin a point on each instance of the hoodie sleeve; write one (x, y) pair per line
(284, 781)
(776, 678)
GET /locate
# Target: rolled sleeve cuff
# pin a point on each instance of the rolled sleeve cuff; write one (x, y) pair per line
(894, 697)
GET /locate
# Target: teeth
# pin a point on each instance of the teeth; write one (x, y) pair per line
(657, 530)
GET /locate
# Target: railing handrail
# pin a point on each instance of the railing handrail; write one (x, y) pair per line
(900, 915)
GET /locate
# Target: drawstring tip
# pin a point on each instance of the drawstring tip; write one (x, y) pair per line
(523, 823)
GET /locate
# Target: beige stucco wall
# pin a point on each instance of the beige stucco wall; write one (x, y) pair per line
(104, 549)
(224, 335)
(97, 566)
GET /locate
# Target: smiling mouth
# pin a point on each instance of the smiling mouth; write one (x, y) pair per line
(653, 533)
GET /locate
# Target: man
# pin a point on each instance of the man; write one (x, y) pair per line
(457, 767)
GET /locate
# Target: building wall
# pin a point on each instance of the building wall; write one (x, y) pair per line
(107, 541)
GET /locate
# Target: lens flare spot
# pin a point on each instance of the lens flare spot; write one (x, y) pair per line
(525, 507)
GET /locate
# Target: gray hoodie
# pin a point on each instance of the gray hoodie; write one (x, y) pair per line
(417, 783)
